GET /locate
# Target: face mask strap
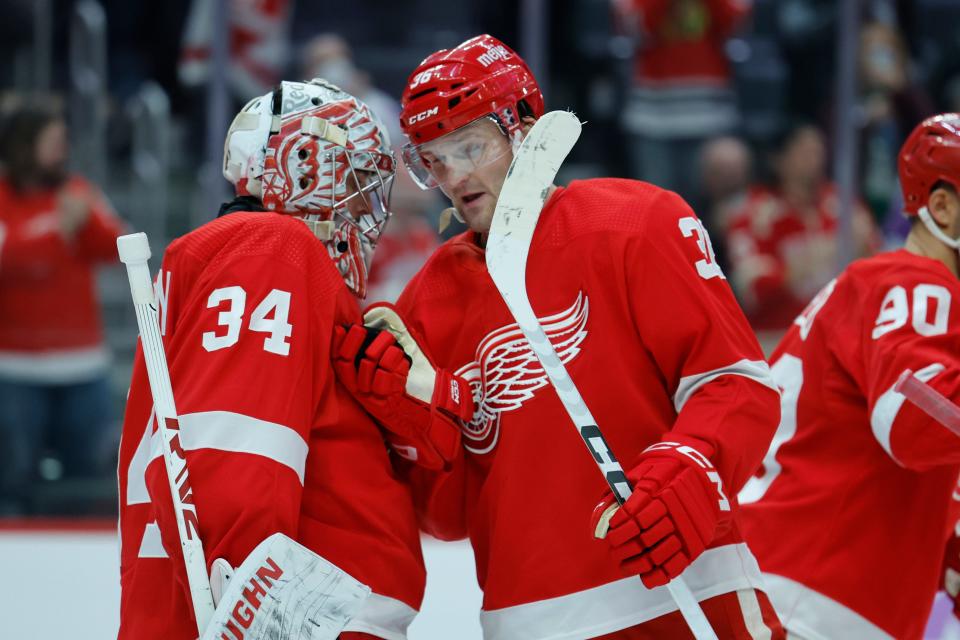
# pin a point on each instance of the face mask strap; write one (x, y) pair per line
(931, 225)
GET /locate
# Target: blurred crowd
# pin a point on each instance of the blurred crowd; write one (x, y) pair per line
(728, 102)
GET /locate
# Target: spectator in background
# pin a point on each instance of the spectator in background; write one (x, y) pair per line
(726, 167)
(54, 229)
(328, 56)
(682, 91)
(891, 104)
(257, 37)
(409, 239)
(782, 243)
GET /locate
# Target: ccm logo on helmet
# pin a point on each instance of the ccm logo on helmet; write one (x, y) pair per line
(423, 115)
(499, 52)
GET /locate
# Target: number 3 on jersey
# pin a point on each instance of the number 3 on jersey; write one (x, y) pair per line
(276, 302)
(707, 267)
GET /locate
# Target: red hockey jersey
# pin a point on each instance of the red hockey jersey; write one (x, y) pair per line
(622, 276)
(849, 513)
(50, 329)
(684, 42)
(248, 303)
(768, 235)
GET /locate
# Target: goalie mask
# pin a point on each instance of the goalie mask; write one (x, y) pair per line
(314, 151)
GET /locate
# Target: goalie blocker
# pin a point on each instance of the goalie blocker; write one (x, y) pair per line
(283, 590)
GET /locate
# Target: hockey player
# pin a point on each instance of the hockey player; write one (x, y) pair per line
(622, 275)
(273, 443)
(851, 508)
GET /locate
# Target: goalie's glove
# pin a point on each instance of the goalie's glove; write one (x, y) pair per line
(677, 503)
(383, 365)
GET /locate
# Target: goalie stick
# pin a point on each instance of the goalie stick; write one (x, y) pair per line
(929, 400)
(522, 197)
(134, 250)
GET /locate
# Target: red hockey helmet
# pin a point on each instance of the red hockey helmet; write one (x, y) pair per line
(454, 87)
(930, 154)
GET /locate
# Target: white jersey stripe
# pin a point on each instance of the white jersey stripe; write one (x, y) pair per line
(623, 603)
(809, 614)
(136, 479)
(151, 545)
(228, 431)
(756, 370)
(383, 617)
(753, 615)
(887, 406)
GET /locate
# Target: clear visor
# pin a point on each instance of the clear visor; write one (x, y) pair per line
(446, 160)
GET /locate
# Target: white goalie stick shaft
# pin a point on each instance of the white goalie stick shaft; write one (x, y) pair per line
(134, 250)
(522, 197)
(929, 400)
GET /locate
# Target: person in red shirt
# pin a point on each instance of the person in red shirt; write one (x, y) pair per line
(55, 228)
(274, 444)
(681, 92)
(622, 276)
(782, 243)
(850, 511)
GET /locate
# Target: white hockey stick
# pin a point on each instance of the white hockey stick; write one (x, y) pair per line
(929, 400)
(524, 192)
(134, 250)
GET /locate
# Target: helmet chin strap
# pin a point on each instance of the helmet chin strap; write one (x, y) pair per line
(931, 225)
(445, 216)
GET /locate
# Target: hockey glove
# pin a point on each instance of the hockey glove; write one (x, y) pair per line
(382, 364)
(672, 515)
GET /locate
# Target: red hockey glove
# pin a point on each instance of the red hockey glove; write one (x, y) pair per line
(677, 503)
(951, 568)
(387, 371)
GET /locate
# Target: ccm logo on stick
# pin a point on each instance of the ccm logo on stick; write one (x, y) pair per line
(423, 115)
(246, 607)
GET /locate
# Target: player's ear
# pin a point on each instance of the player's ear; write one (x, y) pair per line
(526, 124)
(954, 207)
(944, 205)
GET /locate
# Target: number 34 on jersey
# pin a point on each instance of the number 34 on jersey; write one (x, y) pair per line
(270, 316)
